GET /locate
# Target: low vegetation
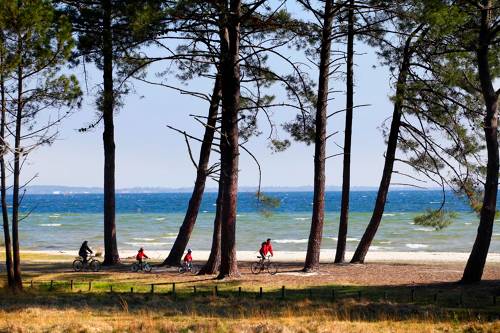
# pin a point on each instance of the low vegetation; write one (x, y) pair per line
(117, 300)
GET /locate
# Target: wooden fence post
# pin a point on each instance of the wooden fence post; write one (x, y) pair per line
(111, 288)
(71, 284)
(283, 292)
(131, 290)
(152, 288)
(31, 283)
(333, 294)
(51, 284)
(90, 285)
(260, 292)
(216, 291)
(173, 290)
(239, 291)
(194, 290)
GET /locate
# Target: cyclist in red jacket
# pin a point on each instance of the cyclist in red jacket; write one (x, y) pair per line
(140, 255)
(269, 247)
(265, 248)
(188, 258)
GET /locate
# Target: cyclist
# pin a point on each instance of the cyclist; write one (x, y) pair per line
(188, 258)
(84, 252)
(140, 255)
(262, 250)
(265, 248)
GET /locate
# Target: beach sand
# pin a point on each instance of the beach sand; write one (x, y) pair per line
(327, 256)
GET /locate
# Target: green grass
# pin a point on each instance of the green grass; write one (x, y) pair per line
(308, 305)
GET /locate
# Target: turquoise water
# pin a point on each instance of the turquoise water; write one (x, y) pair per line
(61, 222)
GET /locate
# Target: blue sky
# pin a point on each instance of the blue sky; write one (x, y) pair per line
(148, 154)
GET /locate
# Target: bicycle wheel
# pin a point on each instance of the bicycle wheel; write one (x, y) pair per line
(256, 267)
(95, 265)
(182, 269)
(147, 267)
(135, 267)
(272, 268)
(194, 270)
(77, 265)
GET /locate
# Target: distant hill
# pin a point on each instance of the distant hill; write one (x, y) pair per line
(56, 189)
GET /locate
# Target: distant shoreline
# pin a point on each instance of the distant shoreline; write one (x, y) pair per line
(55, 189)
(327, 256)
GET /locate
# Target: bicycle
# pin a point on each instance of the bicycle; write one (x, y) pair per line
(144, 266)
(91, 263)
(264, 263)
(188, 267)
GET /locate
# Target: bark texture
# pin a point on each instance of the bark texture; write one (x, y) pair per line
(346, 172)
(477, 259)
(180, 244)
(212, 265)
(111, 255)
(316, 232)
(230, 75)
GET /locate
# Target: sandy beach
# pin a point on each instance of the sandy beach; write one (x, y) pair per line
(327, 256)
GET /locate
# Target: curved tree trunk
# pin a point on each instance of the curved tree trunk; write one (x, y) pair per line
(3, 187)
(316, 233)
(212, 265)
(378, 211)
(346, 177)
(230, 71)
(477, 259)
(111, 255)
(175, 255)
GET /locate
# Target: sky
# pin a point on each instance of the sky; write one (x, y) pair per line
(148, 154)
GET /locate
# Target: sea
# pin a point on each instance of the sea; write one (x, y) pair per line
(60, 222)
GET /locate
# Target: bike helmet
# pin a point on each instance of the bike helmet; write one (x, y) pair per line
(189, 251)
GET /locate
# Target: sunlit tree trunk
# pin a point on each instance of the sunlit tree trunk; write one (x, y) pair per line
(230, 71)
(316, 232)
(212, 265)
(346, 177)
(477, 259)
(111, 255)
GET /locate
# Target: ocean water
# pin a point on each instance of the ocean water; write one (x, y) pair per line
(62, 222)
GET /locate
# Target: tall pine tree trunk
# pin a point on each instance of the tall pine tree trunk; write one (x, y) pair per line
(18, 283)
(175, 255)
(316, 233)
(3, 187)
(346, 177)
(477, 259)
(212, 265)
(111, 255)
(378, 211)
(230, 71)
